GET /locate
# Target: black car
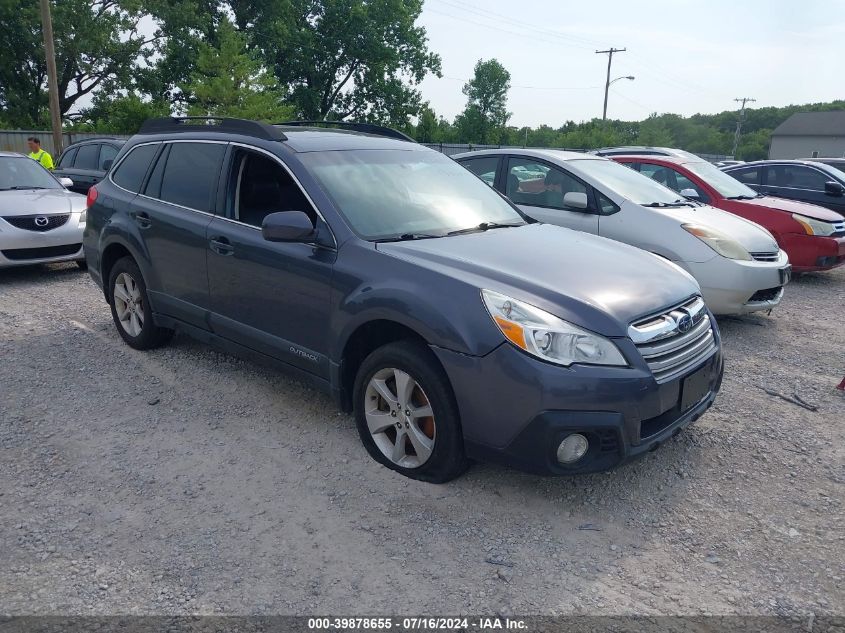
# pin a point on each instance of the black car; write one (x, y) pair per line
(838, 163)
(390, 276)
(86, 162)
(803, 180)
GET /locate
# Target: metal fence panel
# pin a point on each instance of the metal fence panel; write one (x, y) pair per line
(15, 140)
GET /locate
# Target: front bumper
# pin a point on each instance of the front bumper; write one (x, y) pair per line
(21, 247)
(516, 410)
(740, 287)
(809, 253)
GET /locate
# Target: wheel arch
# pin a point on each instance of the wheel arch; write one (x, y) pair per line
(366, 338)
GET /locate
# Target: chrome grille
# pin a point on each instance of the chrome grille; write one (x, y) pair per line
(668, 351)
(838, 228)
(764, 257)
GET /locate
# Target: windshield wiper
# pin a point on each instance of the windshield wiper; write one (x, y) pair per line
(485, 226)
(407, 237)
(21, 188)
(744, 197)
(677, 203)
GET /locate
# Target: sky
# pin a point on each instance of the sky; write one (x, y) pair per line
(687, 56)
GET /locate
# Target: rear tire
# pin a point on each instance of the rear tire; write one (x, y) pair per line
(406, 413)
(130, 307)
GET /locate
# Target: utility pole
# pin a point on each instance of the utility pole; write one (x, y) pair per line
(52, 85)
(609, 53)
(739, 122)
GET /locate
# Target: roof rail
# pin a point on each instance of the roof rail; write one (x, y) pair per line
(169, 125)
(95, 138)
(367, 128)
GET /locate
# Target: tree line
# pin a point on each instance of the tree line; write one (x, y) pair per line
(123, 61)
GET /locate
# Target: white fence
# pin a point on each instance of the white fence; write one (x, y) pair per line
(15, 140)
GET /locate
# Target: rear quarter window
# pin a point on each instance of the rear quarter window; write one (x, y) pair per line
(67, 158)
(132, 169)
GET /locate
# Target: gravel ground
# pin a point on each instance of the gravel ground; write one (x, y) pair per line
(187, 481)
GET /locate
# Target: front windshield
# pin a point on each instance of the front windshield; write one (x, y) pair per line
(722, 182)
(24, 173)
(386, 194)
(626, 182)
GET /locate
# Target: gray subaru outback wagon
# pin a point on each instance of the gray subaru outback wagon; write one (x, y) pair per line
(390, 276)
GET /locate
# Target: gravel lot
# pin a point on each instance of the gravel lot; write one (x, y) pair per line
(188, 481)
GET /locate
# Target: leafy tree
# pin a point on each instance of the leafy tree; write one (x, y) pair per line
(343, 59)
(119, 115)
(486, 113)
(230, 81)
(97, 41)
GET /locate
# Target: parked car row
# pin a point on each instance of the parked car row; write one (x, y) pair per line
(812, 236)
(738, 265)
(559, 318)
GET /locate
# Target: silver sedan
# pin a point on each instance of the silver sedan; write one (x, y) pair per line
(40, 221)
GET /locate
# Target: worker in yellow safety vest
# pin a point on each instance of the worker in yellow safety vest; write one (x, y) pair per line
(39, 155)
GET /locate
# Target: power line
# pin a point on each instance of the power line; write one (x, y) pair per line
(520, 87)
(740, 120)
(609, 52)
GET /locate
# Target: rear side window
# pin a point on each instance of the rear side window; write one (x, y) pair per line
(67, 158)
(107, 153)
(750, 176)
(483, 167)
(132, 169)
(191, 174)
(86, 157)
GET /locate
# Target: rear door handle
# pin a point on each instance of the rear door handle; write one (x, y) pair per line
(142, 219)
(221, 245)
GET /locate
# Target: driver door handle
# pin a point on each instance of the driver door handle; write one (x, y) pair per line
(221, 245)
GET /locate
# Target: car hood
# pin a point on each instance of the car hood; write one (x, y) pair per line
(33, 201)
(753, 237)
(600, 284)
(793, 206)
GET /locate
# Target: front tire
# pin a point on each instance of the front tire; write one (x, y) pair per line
(406, 413)
(130, 307)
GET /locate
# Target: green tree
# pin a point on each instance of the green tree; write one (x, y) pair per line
(119, 115)
(229, 80)
(343, 59)
(97, 42)
(486, 113)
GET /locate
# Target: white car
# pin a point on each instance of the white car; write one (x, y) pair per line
(737, 263)
(41, 222)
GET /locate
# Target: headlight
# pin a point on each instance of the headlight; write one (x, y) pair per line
(814, 227)
(546, 336)
(83, 217)
(723, 244)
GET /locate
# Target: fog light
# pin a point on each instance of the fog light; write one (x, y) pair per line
(572, 448)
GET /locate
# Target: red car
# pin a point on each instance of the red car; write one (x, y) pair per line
(812, 236)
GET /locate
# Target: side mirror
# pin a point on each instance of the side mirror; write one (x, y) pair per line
(575, 200)
(690, 193)
(833, 188)
(288, 226)
(107, 164)
(67, 183)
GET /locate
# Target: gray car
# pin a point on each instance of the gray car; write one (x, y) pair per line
(41, 222)
(386, 274)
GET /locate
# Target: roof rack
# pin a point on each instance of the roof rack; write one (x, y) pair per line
(169, 125)
(367, 128)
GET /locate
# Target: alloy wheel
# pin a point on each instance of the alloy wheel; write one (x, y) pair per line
(400, 418)
(128, 304)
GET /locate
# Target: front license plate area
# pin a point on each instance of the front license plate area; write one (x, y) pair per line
(694, 388)
(785, 275)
